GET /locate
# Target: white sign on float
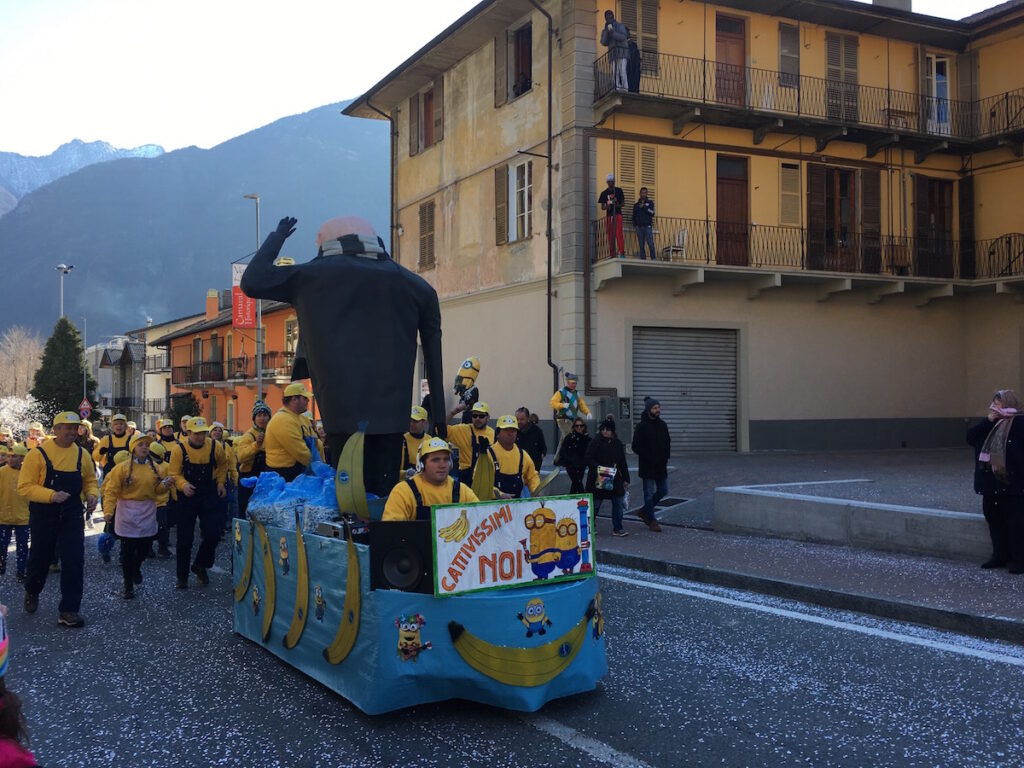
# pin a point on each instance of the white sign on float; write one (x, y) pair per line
(509, 543)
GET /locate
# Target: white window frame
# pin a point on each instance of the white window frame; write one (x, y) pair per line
(520, 201)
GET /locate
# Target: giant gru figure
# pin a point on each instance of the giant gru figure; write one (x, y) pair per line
(359, 313)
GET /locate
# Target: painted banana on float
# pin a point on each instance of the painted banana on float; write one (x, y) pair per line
(298, 624)
(348, 630)
(546, 482)
(268, 587)
(525, 667)
(483, 480)
(348, 481)
(243, 582)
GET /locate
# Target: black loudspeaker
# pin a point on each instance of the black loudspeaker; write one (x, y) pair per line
(402, 556)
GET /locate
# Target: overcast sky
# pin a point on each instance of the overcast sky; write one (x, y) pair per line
(199, 72)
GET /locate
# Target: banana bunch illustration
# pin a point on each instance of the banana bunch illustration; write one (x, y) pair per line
(456, 531)
(268, 574)
(524, 667)
(298, 624)
(348, 630)
(348, 482)
(243, 583)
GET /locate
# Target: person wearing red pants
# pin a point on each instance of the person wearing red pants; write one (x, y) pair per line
(611, 200)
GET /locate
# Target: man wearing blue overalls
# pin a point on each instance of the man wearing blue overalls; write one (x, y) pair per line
(412, 499)
(199, 467)
(513, 467)
(55, 477)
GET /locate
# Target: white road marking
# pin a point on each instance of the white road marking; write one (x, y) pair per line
(811, 482)
(571, 737)
(864, 630)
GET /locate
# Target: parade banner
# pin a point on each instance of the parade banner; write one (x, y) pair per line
(243, 309)
(512, 542)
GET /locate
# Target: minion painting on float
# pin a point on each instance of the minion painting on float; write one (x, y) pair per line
(542, 553)
(568, 543)
(238, 536)
(319, 604)
(410, 642)
(284, 556)
(255, 600)
(535, 618)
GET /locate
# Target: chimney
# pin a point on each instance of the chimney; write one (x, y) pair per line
(212, 304)
(900, 5)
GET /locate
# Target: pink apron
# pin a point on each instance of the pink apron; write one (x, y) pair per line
(135, 518)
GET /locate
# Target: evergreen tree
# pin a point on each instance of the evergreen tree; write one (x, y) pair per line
(58, 381)
(184, 405)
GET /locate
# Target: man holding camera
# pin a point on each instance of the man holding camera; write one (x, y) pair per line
(615, 37)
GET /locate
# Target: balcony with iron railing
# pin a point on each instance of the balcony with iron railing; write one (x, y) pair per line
(155, 363)
(746, 96)
(696, 242)
(122, 403)
(157, 405)
(276, 365)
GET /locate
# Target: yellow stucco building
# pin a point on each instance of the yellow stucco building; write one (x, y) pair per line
(837, 232)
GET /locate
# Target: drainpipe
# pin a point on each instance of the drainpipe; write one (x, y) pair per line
(551, 197)
(393, 213)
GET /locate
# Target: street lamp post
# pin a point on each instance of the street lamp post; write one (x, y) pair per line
(63, 269)
(259, 310)
(85, 365)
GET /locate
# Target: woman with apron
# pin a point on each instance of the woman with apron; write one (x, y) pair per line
(130, 494)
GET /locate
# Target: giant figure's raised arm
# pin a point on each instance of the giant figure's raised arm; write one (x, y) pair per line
(261, 279)
(430, 340)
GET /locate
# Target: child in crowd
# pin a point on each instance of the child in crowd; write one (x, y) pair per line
(13, 731)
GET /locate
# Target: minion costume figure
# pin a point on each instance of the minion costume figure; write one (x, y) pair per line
(284, 556)
(465, 388)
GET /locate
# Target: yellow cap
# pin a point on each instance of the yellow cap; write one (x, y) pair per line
(121, 457)
(19, 450)
(38, 427)
(216, 424)
(161, 423)
(198, 424)
(508, 422)
(6, 432)
(119, 417)
(157, 449)
(433, 445)
(140, 437)
(481, 408)
(418, 413)
(133, 425)
(297, 388)
(65, 417)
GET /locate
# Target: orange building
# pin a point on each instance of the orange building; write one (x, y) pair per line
(217, 363)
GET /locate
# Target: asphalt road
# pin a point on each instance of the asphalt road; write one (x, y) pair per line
(699, 676)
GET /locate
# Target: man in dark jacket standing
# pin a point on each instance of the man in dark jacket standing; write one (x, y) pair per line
(643, 223)
(652, 445)
(530, 437)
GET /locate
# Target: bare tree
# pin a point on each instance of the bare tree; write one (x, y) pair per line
(21, 350)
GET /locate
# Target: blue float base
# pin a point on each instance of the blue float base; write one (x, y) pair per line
(376, 676)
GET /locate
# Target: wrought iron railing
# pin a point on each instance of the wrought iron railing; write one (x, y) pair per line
(278, 363)
(158, 405)
(189, 374)
(126, 402)
(701, 81)
(696, 242)
(158, 362)
(1001, 256)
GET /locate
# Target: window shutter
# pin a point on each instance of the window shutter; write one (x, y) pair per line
(500, 69)
(501, 204)
(789, 55)
(647, 37)
(850, 47)
(628, 13)
(833, 57)
(871, 220)
(648, 173)
(815, 216)
(789, 195)
(965, 191)
(426, 235)
(966, 91)
(625, 176)
(439, 109)
(414, 125)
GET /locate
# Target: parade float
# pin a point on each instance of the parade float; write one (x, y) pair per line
(495, 602)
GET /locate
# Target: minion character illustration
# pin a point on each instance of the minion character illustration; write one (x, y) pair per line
(598, 617)
(410, 643)
(256, 600)
(284, 556)
(238, 536)
(535, 618)
(319, 604)
(542, 553)
(568, 543)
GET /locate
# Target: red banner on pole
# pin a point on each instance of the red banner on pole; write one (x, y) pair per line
(243, 309)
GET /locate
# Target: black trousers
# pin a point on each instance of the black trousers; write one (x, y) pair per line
(133, 552)
(205, 507)
(1005, 518)
(382, 460)
(60, 529)
(576, 477)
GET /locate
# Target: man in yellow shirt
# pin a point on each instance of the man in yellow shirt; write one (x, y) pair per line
(116, 440)
(249, 451)
(199, 467)
(286, 444)
(471, 440)
(13, 512)
(513, 467)
(412, 499)
(414, 437)
(55, 478)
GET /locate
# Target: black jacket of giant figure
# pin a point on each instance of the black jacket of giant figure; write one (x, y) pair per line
(359, 313)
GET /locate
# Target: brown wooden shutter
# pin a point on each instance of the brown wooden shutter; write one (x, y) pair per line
(965, 120)
(500, 69)
(789, 55)
(789, 194)
(647, 37)
(923, 235)
(414, 125)
(625, 175)
(965, 191)
(816, 175)
(648, 172)
(439, 109)
(501, 204)
(427, 235)
(871, 220)
(628, 14)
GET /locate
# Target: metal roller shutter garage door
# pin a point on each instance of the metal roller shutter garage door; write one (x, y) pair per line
(692, 371)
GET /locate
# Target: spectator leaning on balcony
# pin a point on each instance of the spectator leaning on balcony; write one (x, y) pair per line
(643, 223)
(615, 37)
(612, 200)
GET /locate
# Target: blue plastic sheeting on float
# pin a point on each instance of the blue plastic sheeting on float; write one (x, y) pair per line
(514, 648)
